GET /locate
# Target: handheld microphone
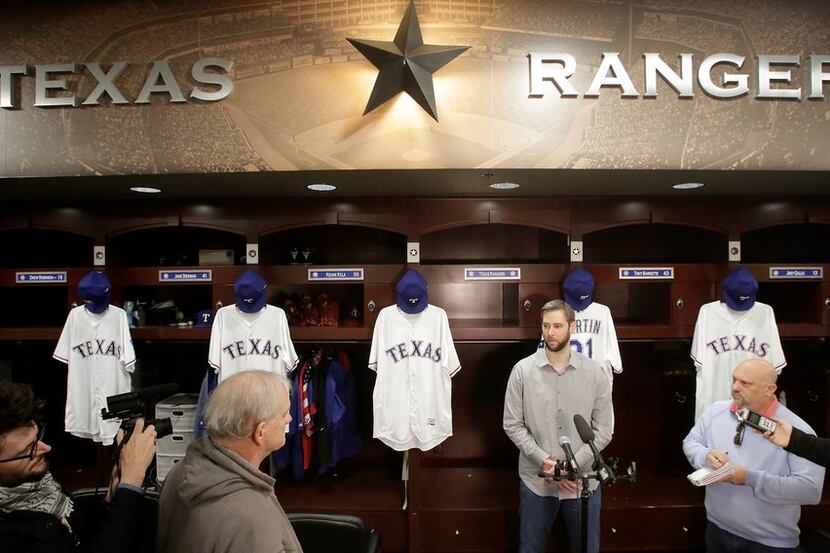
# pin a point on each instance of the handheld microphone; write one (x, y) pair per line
(586, 434)
(573, 466)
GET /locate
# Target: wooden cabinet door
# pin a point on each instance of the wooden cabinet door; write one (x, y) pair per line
(537, 294)
(466, 531)
(687, 297)
(375, 298)
(655, 528)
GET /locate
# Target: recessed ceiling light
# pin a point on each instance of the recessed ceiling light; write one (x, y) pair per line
(688, 185)
(321, 187)
(145, 189)
(504, 185)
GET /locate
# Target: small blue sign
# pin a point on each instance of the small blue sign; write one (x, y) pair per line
(40, 277)
(493, 273)
(646, 273)
(785, 273)
(186, 276)
(318, 275)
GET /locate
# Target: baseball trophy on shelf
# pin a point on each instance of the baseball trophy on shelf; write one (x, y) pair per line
(295, 256)
(309, 314)
(307, 255)
(352, 317)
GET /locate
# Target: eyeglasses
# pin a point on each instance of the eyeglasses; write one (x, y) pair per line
(739, 434)
(41, 430)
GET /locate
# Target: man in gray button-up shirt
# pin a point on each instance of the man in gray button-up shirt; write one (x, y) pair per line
(544, 392)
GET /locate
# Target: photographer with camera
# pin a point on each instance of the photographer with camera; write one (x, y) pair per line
(35, 514)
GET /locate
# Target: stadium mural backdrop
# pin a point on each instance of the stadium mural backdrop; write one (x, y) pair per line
(544, 84)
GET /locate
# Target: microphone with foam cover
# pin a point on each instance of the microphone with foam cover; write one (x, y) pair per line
(586, 434)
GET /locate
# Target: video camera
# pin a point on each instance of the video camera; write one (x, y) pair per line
(134, 405)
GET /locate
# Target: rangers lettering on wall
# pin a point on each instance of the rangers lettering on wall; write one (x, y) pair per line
(558, 67)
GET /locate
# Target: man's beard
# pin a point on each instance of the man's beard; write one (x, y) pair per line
(562, 345)
(30, 476)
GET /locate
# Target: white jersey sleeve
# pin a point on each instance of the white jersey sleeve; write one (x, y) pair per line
(612, 359)
(289, 354)
(215, 346)
(377, 337)
(698, 352)
(776, 354)
(61, 352)
(451, 363)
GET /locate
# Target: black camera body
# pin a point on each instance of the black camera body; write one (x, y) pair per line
(134, 405)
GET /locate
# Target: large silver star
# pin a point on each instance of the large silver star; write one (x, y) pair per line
(406, 64)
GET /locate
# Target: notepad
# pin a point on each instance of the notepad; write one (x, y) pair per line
(708, 475)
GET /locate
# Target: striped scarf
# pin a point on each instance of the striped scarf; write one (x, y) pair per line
(44, 496)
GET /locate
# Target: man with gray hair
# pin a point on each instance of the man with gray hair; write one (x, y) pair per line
(216, 498)
(544, 392)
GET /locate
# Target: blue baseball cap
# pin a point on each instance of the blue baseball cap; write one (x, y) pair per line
(250, 292)
(94, 289)
(578, 289)
(204, 318)
(412, 292)
(740, 290)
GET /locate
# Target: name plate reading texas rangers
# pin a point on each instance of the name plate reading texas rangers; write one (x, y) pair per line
(40, 277)
(796, 272)
(493, 273)
(317, 275)
(186, 276)
(646, 273)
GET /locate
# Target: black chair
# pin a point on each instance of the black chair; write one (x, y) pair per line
(89, 511)
(324, 533)
(814, 540)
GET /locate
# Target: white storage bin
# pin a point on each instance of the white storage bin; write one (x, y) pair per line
(175, 444)
(181, 408)
(164, 464)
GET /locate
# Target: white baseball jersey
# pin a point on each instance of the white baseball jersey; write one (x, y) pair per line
(723, 338)
(242, 341)
(596, 338)
(99, 353)
(415, 360)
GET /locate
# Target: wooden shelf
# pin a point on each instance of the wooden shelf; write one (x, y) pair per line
(170, 333)
(51, 333)
(330, 333)
(462, 329)
(649, 331)
(798, 330)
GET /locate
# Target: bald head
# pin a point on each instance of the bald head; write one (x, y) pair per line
(244, 400)
(753, 384)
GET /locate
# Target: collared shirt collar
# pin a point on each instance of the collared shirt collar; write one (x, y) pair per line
(542, 360)
(770, 411)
